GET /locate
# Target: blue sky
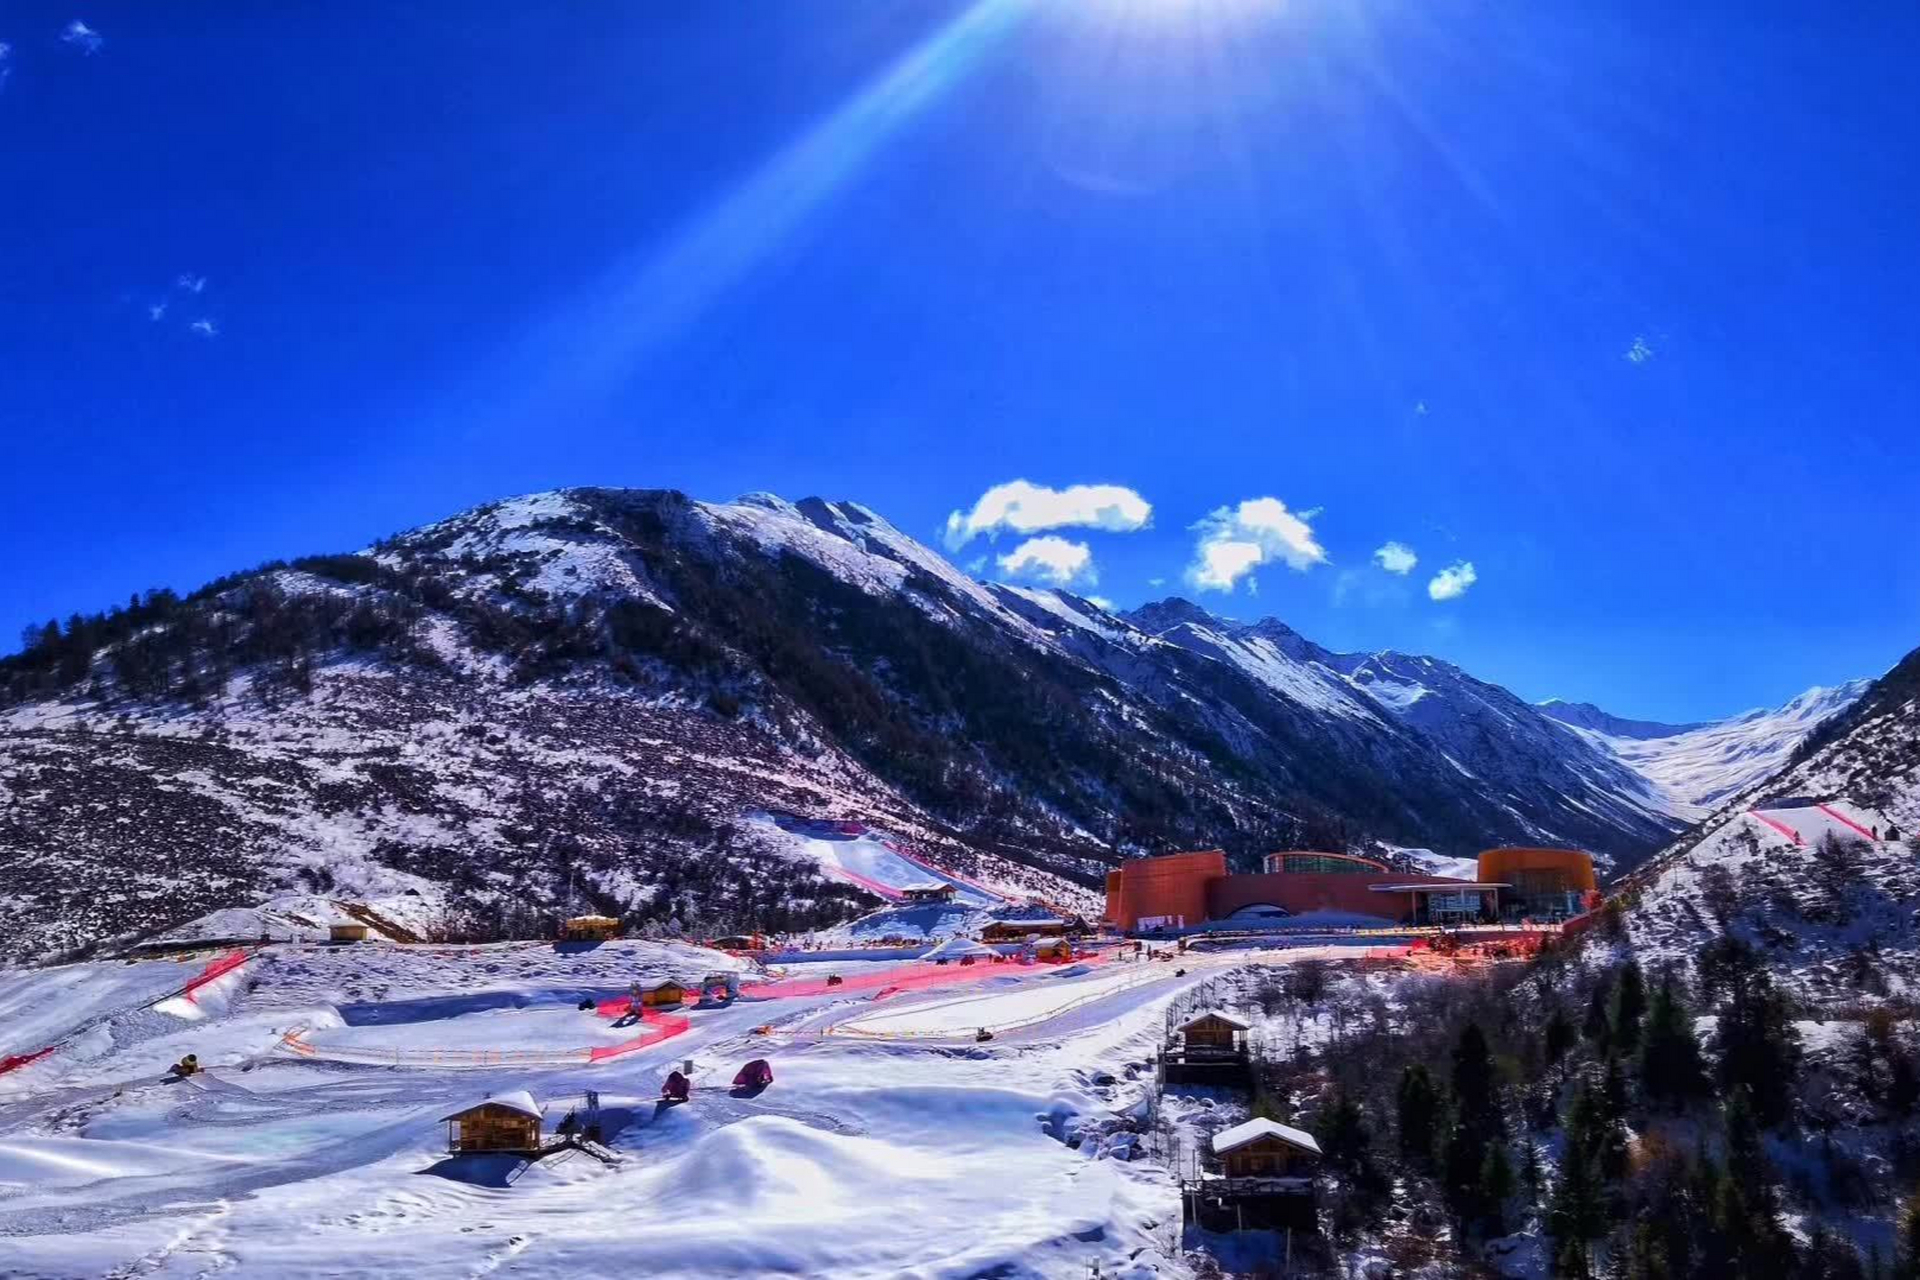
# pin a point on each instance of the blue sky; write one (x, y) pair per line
(1612, 303)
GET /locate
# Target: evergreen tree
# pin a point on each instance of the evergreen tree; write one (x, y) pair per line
(1672, 1070)
(1560, 1036)
(1629, 1005)
(1599, 1024)
(1759, 1049)
(1579, 1212)
(1478, 1126)
(1419, 1112)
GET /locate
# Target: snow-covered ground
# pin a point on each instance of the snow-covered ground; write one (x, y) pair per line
(869, 858)
(271, 1163)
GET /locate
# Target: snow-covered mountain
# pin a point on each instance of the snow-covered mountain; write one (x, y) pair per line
(1694, 767)
(1818, 862)
(582, 693)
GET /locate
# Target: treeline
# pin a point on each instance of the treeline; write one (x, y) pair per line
(1578, 1103)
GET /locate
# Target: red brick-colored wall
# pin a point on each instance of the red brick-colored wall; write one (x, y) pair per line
(1174, 885)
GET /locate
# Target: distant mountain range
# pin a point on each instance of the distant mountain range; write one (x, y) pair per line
(1696, 766)
(577, 695)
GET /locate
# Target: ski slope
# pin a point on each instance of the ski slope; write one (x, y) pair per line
(867, 858)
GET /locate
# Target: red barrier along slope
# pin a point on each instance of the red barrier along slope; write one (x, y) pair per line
(13, 1062)
(1781, 827)
(215, 969)
(660, 1026)
(1845, 820)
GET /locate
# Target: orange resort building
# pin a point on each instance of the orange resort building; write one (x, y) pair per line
(1192, 890)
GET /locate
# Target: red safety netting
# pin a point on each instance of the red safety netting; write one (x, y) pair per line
(14, 1062)
(1843, 819)
(660, 1026)
(215, 969)
(1781, 827)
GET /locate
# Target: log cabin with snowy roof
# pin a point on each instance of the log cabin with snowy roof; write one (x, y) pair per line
(509, 1123)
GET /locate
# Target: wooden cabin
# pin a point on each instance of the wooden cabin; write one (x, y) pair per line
(508, 1123)
(734, 942)
(929, 892)
(1053, 949)
(590, 929)
(662, 995)
(1266, 1149)
(1212, 1032)
(351, 932)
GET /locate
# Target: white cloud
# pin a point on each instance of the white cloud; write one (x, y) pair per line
(1452, 582)
(205, 328)
(1024, 507)
(81, 36)
(1639, 352)
(156, 310)
(191, 283)
(1397, 557)
(1234, 541)
(1156, 582)
(1050, 559)
(1100, 602)
(6, 62)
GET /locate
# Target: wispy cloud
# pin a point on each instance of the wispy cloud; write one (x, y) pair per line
(1234, 541)
(1051, 559)
(82, 37)
(205, 328)
(1100, 602)
(6, 62)
(156, 311)
(190, 283)
(1396, 557)
(1640, 352)
(1020, 506)
(1452, 582)
(1156, 582)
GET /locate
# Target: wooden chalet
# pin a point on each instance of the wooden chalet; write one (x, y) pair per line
(1056, 949)
(509, 1123)
(662, 995)
(1208, 1048)
(1257, 1175)
(590, 929)
(347, 932)
(932, 891)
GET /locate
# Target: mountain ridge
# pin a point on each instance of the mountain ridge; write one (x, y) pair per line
(592, 686)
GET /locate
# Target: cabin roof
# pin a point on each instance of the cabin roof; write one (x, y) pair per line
(1204, 1014)
(519, 1100)
(662, 983)
(1253, 1130)
(592, 920)
(928, 886)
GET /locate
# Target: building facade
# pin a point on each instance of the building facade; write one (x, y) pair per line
(1185, 890)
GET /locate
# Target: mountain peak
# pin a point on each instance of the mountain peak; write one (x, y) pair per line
(1164, 615)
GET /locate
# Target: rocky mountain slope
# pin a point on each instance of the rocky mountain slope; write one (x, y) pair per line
(1818, 863)
(578, 695)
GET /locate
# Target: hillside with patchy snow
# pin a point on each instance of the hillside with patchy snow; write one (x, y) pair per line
(580, 697)
(1818, 863)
